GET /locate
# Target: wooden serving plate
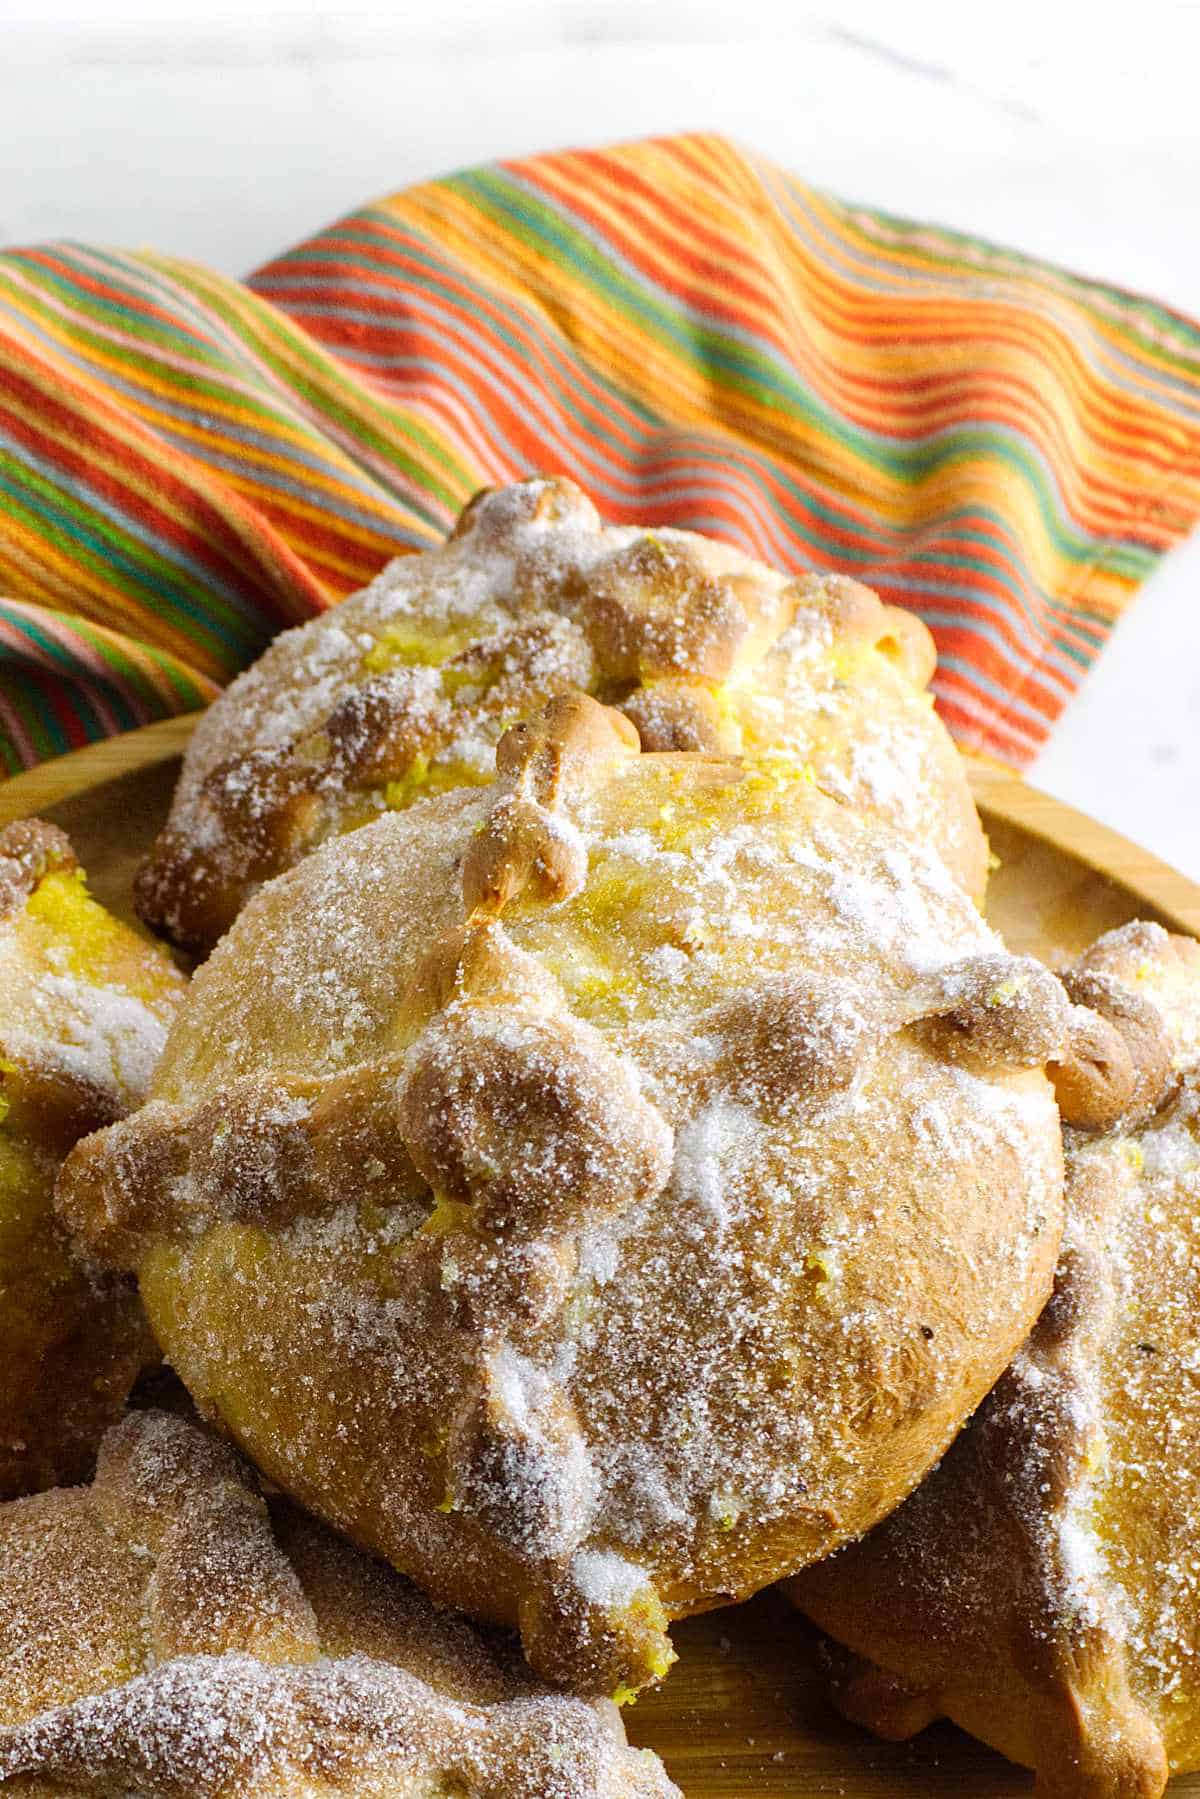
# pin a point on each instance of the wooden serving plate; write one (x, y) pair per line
(743, 1712)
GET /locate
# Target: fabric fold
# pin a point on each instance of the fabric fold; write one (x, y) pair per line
(189, 464)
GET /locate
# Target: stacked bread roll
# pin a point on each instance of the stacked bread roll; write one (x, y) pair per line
(602, 1164)
(1042, 1587)
(84, 1010)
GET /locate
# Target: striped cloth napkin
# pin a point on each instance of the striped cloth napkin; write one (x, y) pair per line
(188, 463)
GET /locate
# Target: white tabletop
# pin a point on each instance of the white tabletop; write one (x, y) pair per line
(192, 126)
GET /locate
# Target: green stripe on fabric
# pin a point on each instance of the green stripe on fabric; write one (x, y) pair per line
(99, 545)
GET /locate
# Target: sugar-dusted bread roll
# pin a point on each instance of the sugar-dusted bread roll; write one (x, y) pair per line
(84, 1009)
(405, 689)
(601, 1194)
(166, 1632)
(1042, 1587)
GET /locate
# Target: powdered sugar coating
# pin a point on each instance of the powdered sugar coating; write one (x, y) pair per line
(164, 1633)
(404, 690)
(77, 990)
(84, 1010)
(230, 1728)
(708, 1332)
(1043, 1586)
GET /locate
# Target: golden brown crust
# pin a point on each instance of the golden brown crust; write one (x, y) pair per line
(1039, 1587)
(1120, 1062)
(29, 849)
(84, 1006)
(266, 1151)
(995, 1011)
(657, 610)
(473, 1099)
(168, 1631)
(406, 689)
(1135, 1026)
(526, 846)
(680, 714)
(709, 1248)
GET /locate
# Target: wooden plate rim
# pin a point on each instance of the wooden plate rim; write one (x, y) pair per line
(997, 792)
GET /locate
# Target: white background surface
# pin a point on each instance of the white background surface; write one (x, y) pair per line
(214, 130)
